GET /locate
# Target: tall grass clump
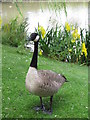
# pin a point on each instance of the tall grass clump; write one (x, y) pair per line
(14, 32)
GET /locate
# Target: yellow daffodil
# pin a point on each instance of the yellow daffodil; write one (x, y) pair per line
(0, 22)
(85, 52)
(73, 41)
(78, 36)
(42, 30)
(76, 31)
(70, 50)
(40, 53)
(67, 26)
(84, 49)
(75, 34)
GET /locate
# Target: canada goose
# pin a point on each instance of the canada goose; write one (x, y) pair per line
(42, 83)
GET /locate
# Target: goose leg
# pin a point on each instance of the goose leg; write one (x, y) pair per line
(50, 109)
(41, 107)
(51, 99)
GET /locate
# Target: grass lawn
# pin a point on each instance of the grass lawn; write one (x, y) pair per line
(70, 102)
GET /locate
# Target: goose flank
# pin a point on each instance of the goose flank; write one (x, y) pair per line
(42, 83)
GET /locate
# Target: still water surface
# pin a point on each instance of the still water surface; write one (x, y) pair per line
(77, 13)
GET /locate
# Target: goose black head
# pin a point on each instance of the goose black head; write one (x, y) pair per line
(34, 37)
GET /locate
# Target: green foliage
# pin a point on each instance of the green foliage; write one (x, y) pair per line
(14, 33)
(18, 9)
(85, 39)
(61, 44)
(88, 46)
(57, 6)
(66, 44)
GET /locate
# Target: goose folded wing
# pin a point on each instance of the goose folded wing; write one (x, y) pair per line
(51, 77)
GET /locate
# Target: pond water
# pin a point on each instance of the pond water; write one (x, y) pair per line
(39, 12)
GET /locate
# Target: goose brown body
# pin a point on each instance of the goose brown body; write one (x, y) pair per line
(43, 82)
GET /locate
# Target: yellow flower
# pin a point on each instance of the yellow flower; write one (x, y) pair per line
(78, 36)
(75, 34)
(40, 53)
(0, 21)
(70, 50)
(76, 31)
(73, 41)
(43, 32)
(67, 26)
(85, 52)
(84, 49)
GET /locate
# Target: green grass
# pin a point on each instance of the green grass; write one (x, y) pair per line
(71, 101)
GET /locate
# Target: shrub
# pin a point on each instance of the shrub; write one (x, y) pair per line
(65, 44)
(14, 33)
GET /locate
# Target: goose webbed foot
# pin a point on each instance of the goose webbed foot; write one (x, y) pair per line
(48, 112)
(38, 108)
(41, 107)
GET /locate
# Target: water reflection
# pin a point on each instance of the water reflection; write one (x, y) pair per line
(77, 13)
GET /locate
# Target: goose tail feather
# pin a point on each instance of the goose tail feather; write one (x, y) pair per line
(65, 78)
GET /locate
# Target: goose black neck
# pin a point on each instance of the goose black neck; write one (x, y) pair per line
(35, 55)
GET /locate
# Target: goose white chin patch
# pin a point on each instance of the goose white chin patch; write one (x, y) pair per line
(37, 38)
